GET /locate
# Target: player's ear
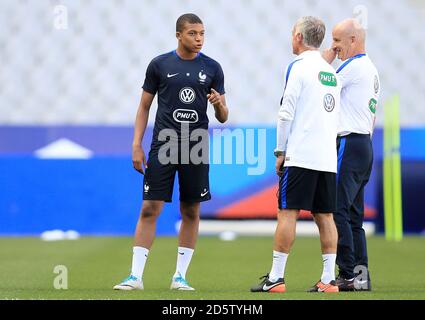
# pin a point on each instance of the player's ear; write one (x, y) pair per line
(178, 35)
(300, 37)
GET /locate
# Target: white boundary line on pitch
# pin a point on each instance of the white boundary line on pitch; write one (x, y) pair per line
(260, 227)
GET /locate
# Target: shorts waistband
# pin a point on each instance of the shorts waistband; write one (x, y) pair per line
(354, 135)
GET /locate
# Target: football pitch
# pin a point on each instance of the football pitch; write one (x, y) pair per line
(220, 270)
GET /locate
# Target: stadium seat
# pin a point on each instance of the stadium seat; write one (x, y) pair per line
(108, 44)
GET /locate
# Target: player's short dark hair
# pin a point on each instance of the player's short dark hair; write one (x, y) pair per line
(187, 18)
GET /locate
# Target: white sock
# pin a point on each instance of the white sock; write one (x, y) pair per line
(278, 267)
(184, 255)
(140, 255)
(328, 268)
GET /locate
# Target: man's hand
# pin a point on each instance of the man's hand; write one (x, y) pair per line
(329, 55)
(214, 98)
(279, 165)
(219, 103)
(139, 159)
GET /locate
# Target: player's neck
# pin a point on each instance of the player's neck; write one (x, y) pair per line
(304, 49)
(185, 54)
(358, 51)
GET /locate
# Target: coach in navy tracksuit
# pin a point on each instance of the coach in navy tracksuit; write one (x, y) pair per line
(359, 98)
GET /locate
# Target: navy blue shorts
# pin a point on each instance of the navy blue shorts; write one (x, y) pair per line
(158, 182)
(305, 189)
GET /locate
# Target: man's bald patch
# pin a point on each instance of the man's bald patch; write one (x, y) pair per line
(352, 28)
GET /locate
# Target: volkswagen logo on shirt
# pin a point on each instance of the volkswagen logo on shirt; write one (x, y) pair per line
(187, 95)
(329, 102)
(376, 85)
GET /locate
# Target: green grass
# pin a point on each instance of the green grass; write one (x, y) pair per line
(219, 270)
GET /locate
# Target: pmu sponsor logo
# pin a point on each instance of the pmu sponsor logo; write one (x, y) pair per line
(372, 105)
(185, 116)
(328, 79)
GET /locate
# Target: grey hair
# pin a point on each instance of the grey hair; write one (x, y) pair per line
(313, 31)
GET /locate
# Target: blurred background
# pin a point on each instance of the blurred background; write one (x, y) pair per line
(70, 84)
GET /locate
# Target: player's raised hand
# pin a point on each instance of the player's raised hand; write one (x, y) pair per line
(214, 97)
(329, 54)
(139, 159)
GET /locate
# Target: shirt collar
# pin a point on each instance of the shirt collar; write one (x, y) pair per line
(308, 53)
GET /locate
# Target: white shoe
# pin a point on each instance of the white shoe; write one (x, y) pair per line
(130, 283)
(179, 283)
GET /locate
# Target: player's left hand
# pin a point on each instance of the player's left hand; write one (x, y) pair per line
(279, 165)
(214, 97)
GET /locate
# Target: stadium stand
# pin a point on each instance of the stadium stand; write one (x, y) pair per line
(90, 71)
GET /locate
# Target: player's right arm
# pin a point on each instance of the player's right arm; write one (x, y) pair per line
(286, 114)
(138, 154)
(150, 88)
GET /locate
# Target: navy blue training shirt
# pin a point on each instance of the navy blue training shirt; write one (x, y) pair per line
(182, 87)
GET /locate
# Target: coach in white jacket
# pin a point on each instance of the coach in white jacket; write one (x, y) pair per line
(306, 154)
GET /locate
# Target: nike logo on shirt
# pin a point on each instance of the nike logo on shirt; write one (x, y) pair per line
(204, 194)
(172, 75)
